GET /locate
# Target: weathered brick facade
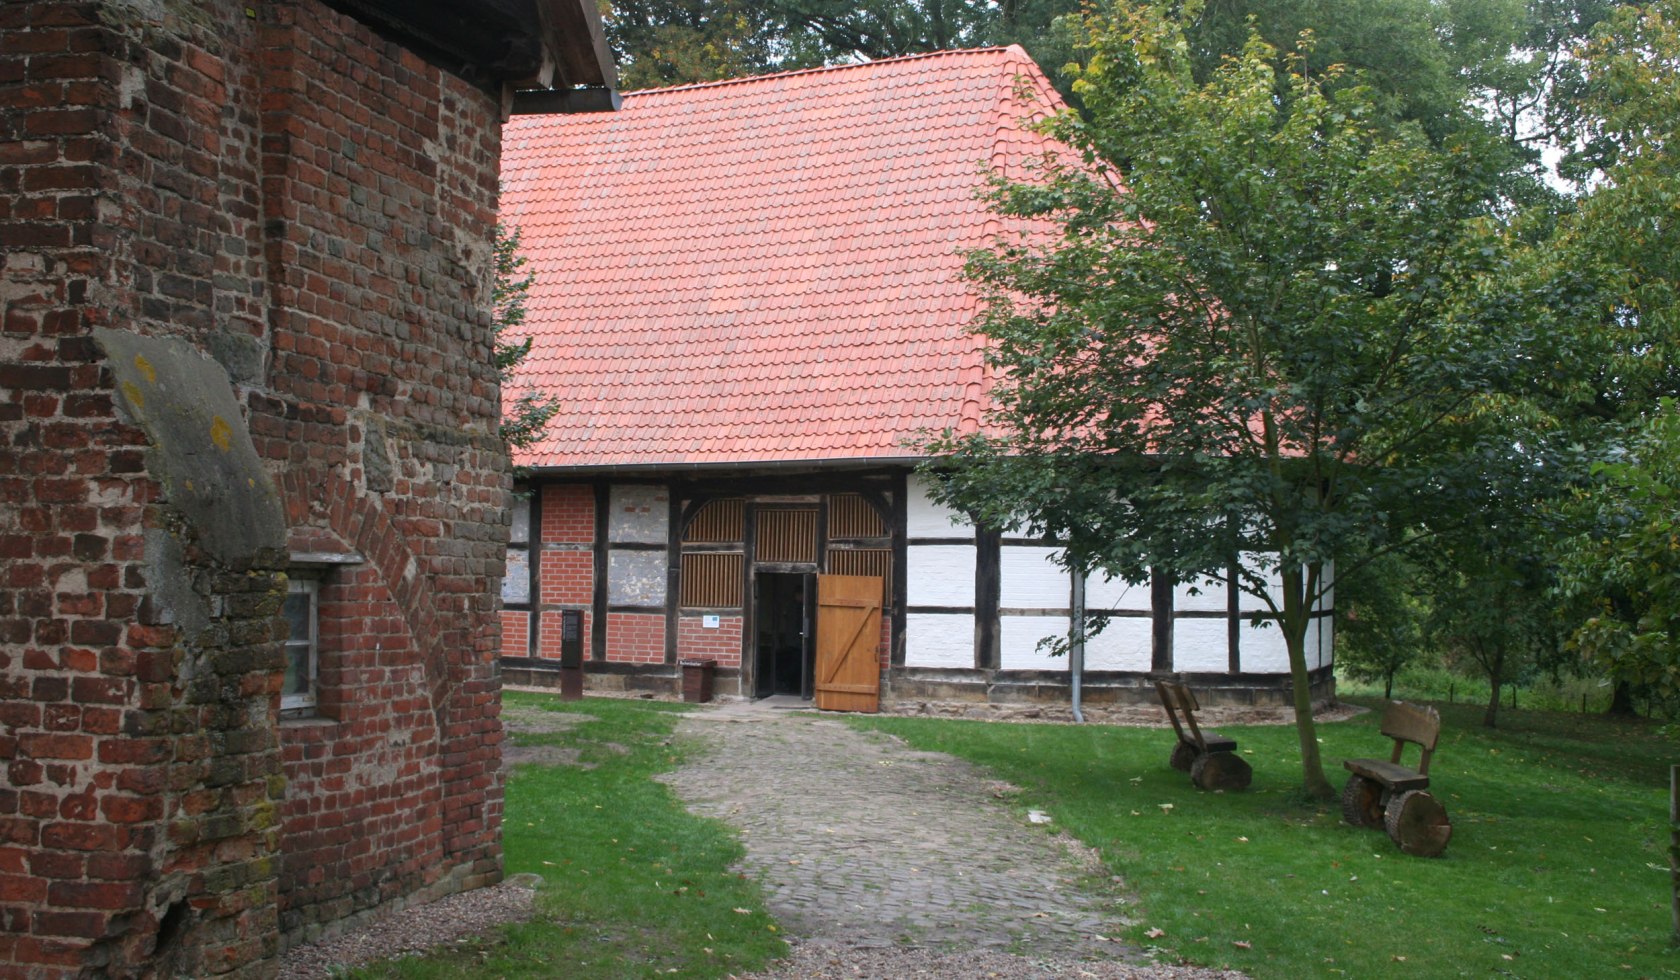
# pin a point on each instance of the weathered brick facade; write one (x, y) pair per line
(246, 251)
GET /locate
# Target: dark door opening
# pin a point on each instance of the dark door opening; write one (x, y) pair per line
(782, 658)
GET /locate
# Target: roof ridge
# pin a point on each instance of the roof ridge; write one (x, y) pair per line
(749, 79)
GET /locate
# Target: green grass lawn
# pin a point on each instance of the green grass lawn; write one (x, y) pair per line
(633, 885)
(1557, 866)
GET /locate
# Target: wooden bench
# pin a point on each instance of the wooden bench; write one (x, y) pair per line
(1394, 796)
(1209, 757)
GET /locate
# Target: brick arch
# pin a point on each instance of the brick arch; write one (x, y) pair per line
(361, 522)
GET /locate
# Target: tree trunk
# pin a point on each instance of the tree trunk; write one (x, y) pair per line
(1496, 671)
(1293, 622)
(1621, 701)
(1388, 686)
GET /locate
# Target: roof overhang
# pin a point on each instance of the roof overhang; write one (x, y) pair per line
(557, 46)
(729, 468)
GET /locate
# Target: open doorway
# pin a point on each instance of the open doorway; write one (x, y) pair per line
(782, 656)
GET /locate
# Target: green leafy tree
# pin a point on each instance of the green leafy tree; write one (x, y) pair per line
(659, 43)
(524, 419)
(1491, 609)
(1616, 275)
(1379, 626)
(1620, 249)
(1622, 573)
(1259, 347)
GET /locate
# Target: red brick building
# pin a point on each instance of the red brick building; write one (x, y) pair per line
(252, 496)
(749, 300)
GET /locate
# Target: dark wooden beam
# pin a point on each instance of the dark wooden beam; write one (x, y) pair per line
(1161, 614)
(598, 598)
(988, 595)
(553, 101)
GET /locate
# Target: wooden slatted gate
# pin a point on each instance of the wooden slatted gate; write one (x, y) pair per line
(848, 643)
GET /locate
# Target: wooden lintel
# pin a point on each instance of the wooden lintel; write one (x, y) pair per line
(531, 102)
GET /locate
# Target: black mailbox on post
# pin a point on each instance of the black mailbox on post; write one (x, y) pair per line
(571, 654)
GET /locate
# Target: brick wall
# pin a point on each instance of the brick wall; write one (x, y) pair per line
(636, 638)
(568, 578)
(723, 644)
(568, 513)
(295, 214)
(516, 633)
(381, 411)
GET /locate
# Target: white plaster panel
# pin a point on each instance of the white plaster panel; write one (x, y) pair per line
(938, 640)
(1032, 579)
(1116, 594)
(1326, 635)
(1202, 645)
(516, 584)
(1274, 581)
(636, 578)
(1211, 599)
(638, 513)
(1020, 636)
(1263, 650)
(1124, 644)
(940, 575)
(926, 519)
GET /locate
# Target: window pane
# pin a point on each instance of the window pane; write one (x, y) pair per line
(297, 616)
(521, 533)
(297, 669)
(298, 689)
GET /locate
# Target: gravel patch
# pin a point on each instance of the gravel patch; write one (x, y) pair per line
(414, 930)
(833, 961)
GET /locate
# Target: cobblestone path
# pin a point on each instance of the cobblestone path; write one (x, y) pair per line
(860, 840)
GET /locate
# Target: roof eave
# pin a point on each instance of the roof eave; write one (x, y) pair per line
(506, 44)
(766, 467)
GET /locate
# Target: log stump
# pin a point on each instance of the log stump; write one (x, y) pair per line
(1221, 770)
(1183, 756)
(1418, 823)
(1362, 802)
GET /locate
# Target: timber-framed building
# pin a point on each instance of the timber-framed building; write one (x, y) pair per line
(748, 299)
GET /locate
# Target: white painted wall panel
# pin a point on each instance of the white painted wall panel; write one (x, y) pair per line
(1211, 599)
(1326, 642)
(1115, 593)
(935, 640)
(1263, 650)
(1020, 636)
(1123, 645)
(1032, 579)
(940, 575)
(638, 513)
(1201, 645)
(926, 519)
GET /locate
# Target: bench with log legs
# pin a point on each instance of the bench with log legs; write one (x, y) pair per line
(1388, 794)
(1210, 758)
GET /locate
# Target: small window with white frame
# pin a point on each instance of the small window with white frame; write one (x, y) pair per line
(302, 645)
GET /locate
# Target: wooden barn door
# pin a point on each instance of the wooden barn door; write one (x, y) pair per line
(848, 642)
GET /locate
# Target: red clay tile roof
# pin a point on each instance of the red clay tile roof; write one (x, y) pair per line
(766, 269)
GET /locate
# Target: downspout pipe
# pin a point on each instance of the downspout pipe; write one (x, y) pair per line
(1076, 645)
